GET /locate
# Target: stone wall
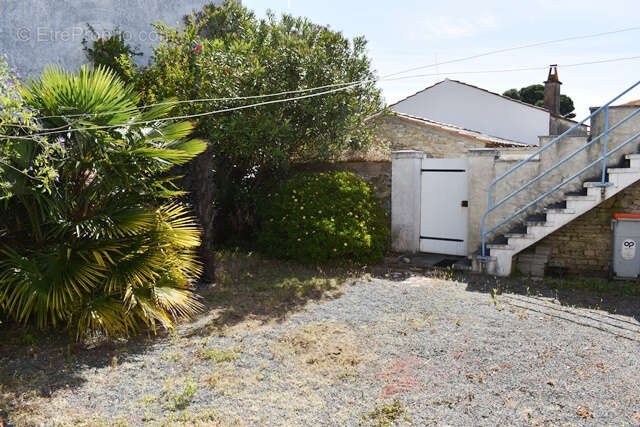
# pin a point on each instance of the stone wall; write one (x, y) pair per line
(399, 134)
(559, 125)
(584, 246)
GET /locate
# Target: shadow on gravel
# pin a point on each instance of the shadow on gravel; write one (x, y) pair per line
(34, 365)
(253, 289)
(612, 307)
(249, 289)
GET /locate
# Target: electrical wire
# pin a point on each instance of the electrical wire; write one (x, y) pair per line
(508, 70)
(510, 49)
(189, 116)
(383, 78)
(320, 94)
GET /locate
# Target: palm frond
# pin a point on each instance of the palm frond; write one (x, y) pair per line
(170, 132)
(103, 314)
(96, 252)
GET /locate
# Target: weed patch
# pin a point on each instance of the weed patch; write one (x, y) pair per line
(182, 398)
(385, 415)
(218, 356)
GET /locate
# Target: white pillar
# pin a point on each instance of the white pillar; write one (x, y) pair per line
(405, 200)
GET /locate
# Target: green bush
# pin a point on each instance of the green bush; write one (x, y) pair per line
(109, 51)
(316, 218)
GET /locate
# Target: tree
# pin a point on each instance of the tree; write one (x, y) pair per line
(227, 52)
(103, 246)
(534, 95)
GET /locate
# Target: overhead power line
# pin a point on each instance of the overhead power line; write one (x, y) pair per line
(509, 70)
(510, 49)
(383, 78)
(185, 117)
(350, 85)
(277, 101)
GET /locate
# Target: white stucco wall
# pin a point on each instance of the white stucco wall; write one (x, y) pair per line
(406, 184)
(472, 108)
(35, 33)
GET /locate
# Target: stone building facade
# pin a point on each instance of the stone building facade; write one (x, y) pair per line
(396, 131)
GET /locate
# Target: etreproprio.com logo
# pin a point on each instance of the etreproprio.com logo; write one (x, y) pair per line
(44, 33)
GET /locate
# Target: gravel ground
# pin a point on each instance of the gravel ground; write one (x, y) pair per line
(416, 351)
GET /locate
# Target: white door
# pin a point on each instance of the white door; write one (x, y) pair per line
(443, 222)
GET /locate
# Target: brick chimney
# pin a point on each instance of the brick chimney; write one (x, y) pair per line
(552, 90)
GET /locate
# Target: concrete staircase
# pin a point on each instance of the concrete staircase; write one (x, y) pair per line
(501, 255)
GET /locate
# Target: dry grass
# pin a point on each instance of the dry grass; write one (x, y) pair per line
(329, 347)
(252, 291)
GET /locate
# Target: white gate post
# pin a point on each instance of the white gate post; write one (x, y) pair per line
(406, 184)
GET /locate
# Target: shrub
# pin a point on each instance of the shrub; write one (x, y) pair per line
(315, 218)
(109, 51)
(226, 51)
(102, 246)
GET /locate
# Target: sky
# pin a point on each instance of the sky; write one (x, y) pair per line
(403, 34)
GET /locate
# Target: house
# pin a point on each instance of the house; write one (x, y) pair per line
(400, 131)
(37, 33)
(535, 209)
(469, 107)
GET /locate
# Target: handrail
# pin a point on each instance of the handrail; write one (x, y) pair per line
(562, 184)
(563, 161)
(491, 207)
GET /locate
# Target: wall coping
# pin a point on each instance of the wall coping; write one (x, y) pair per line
(483, 152)
(408, 154)
(615, 107)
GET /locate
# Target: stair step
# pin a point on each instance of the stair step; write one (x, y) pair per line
(581, 198)
(537, 224)
(632, 156)
(559, 211)
(499, 246)
(622, 170)
(593, 184)
(519, 236)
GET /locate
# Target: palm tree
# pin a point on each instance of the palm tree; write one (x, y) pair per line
(104, 246)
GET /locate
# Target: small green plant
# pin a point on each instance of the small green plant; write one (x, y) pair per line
(385, 415)
(183, 398)
(219, 356)
(30, 339)
(148, 399)
(188, 418)
(348, 374)
(317, 218)
(494, 296)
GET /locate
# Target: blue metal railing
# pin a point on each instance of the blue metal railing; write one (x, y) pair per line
(603, 159)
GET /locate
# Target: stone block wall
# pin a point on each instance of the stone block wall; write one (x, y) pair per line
(584, 246)
(399, 134)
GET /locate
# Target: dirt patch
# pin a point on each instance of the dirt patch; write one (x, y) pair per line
(326, 346)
